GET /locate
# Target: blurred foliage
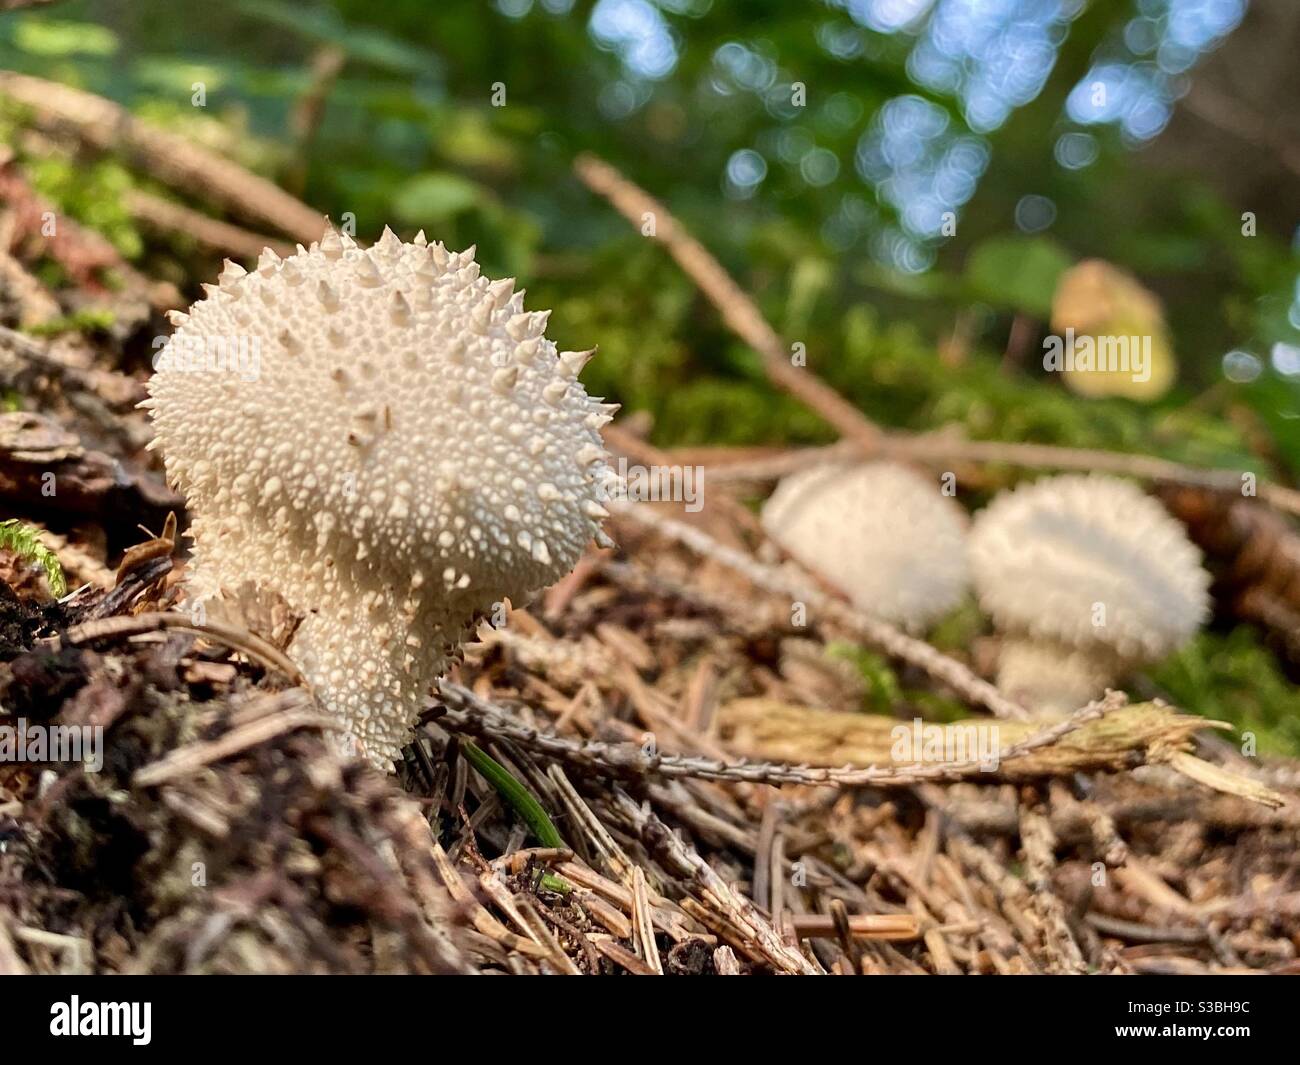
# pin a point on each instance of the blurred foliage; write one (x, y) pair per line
(92, 194)
(815, 210)
(885, 693)
(86, 321)
(1229, 677)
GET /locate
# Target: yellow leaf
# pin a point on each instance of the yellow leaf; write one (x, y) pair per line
(1114, 331)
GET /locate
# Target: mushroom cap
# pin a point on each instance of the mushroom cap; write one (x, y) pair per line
(885, 536)
(393, 446)
(1089, 561)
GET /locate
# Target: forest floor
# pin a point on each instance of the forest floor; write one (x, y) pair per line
(657, 768)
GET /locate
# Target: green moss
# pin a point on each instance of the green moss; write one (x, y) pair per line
(25, 541)
(93, 193)
(1231, 677)
(88, 320)
(885, 692)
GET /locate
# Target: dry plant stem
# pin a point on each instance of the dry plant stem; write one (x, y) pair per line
(256, 648)
(296, 711)
(737, 309)
(304, 120)
(879, 634)
(943, 449)
(1039, 843)
(729, 904)
(747, 469)
(618, 439)
(899, 927)
(938, 448)
(230, 240)
(480, 918)
(1213, 776)
(611, 855)
(643, 924)
(466, 712)
(173, 159)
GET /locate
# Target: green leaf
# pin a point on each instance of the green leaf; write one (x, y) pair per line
(56, 38)
(1019, 273)
(385, 50)
(431, 198)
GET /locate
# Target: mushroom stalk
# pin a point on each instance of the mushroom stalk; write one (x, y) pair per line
(1053, 678)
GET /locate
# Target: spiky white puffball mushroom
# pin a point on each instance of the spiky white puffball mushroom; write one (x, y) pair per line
(1088, 577)
(410, 451)
(885, 536)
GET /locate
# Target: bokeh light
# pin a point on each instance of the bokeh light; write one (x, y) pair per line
(1285, 359)
(1074, 151)
(1241, 367)
(746, 170)
(993, 55)
(1034, 213)
(637, 31)
(917, 164)
(921, 157)
(1137, 79)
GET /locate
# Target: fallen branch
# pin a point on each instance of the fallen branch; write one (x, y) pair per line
(737, 309)
(173, 159)
(799, 736)
(218, 236)
(247, 643)
(1124, 737)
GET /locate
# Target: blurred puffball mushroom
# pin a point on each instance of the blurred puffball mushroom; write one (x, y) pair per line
(406, 450)
(1107, 311)
(885, 536)
(1088, 578)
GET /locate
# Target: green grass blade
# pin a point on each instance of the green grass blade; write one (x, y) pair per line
(515, 794)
